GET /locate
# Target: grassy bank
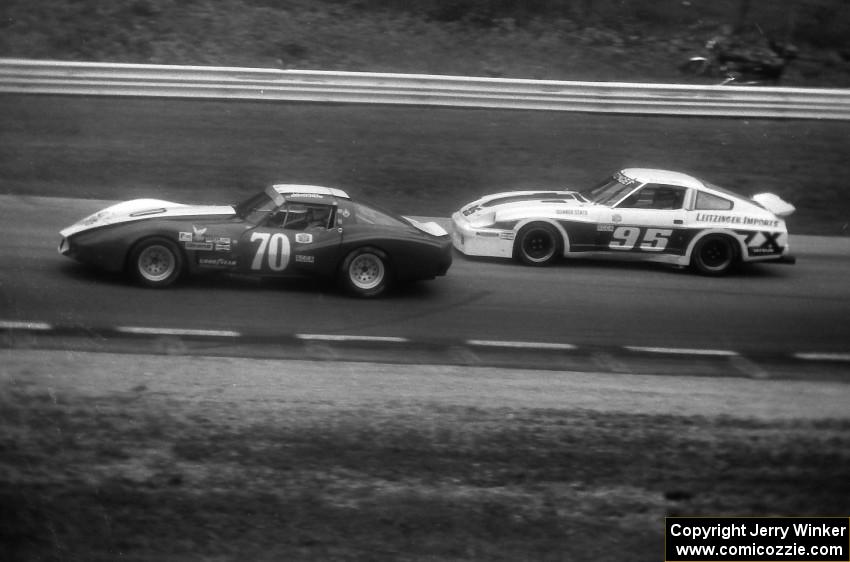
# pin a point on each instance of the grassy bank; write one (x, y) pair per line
(609, 40)
(202, 459)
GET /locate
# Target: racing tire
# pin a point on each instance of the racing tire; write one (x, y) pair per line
(365, 272)
(156, 262)
(538, 244)
(714, 255)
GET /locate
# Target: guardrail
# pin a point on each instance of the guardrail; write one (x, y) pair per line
(106, 79)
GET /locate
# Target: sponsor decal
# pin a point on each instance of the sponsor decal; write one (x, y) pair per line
(736, 219)
(94, 218)
(304, 238)
(198, 234)
(301, 258)
(624, 179)
(604, 228)
(488, 234)
(198, 240)
(216, 262)
(345, 213)
(507, 235)
(222, 244)
(616, 218)
(309, 195)
(760, 243)
(577, 212)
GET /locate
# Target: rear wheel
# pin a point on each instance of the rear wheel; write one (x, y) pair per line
(156, 262)
(714, 255)
(365, 272)
(538, 244)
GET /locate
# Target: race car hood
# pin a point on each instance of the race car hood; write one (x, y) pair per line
(513, 205)
(141, 209)
(431, 227)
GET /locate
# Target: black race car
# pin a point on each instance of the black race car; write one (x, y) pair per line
(285, 230)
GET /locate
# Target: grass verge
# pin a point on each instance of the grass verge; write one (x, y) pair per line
(131, 464)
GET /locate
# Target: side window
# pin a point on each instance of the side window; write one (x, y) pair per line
(655, 197)
(709, 202)
(297, 216)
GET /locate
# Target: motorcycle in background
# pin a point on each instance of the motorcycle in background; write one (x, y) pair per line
(734, 62)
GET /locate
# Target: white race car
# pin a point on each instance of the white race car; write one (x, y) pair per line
(639, 214)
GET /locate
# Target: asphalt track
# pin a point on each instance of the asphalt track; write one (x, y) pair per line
(583, 315)
(606, 313)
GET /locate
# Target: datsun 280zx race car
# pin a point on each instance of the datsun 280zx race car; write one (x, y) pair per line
(641, 214)
(285, 230)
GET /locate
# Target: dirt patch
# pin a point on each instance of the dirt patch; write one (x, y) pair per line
(155, 458)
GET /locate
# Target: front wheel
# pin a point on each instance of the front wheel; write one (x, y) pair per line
(538, 244)
(365, 272)
(714, 255)
(156, 262)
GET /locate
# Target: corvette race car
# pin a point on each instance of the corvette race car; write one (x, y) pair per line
(639, 214)
(285, 230)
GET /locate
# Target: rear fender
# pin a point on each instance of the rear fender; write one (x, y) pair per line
(742, 249)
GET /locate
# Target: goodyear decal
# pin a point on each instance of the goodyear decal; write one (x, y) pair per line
(216, 262)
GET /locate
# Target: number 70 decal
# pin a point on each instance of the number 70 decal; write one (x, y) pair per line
(274, 248)
(650, 239)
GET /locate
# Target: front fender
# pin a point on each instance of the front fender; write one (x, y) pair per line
(565, 238)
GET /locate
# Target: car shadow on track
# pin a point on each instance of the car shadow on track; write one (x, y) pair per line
(585, 265)
(85, 274)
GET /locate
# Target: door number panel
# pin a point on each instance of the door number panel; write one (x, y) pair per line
(639, 238)
(273, 250)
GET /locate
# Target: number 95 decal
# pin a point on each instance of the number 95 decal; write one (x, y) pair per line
(646, 239)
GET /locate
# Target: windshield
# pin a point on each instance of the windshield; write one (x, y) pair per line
(358, 213)
(610, 190)
(256, 207)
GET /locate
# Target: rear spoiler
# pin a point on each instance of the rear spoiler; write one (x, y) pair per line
(774, 204)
